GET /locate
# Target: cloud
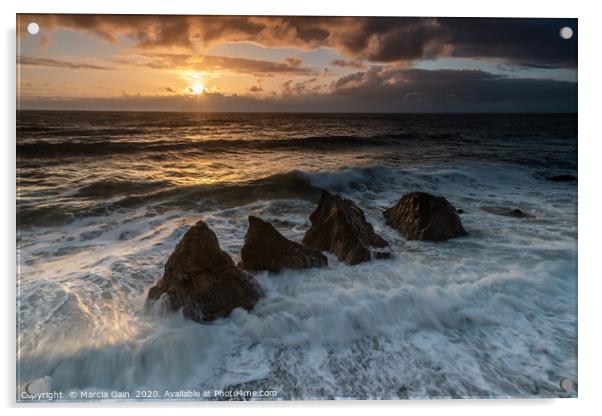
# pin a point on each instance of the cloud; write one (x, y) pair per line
(529, 42)
(453, 90)
(58, 63)
(379, 79)
(520, 41)
(343, 63)
(208, 63)
(393, 39)
(212, 63)
(380, 89)
(44, 42)
(293, 62)
(296, 88)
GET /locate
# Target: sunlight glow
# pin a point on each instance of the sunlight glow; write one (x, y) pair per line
(197, 88)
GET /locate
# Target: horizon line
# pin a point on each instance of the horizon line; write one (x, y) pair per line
(294, 112)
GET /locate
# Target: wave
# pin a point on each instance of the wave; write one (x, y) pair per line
(84, 131)
(108, 188)
(294, 184)
(453, 181)
(105, 196)
(94, 148)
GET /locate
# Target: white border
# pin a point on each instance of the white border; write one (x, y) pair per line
(590, 136)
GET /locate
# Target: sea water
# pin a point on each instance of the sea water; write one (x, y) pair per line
(104, 197)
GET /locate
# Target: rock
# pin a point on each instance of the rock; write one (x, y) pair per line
(421, 216)
(381, 255)
(202, 280)
(562, 178)
(266, 249)
(459, 210)
(339, 226)
(507, 212)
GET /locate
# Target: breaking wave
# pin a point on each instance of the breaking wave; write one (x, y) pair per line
(94, 147)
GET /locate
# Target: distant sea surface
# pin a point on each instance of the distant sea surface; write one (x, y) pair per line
(104, 197)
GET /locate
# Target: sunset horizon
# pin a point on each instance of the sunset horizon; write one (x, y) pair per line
(296, 64)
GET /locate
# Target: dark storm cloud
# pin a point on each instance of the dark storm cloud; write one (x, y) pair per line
(454, 90)
(528, 42)
(395, 39)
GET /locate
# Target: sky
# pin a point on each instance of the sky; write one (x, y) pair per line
(296, 64)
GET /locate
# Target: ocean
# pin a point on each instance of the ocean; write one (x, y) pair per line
(104, 197)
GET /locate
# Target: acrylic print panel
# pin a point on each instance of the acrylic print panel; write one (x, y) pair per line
(296, 208)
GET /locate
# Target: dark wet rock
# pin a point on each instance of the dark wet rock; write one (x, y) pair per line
(562, 178)
(507, 212)
(266, 249)
(339, 226)
(202, 280)
(383, 255)
(459, 210)
(422, 216)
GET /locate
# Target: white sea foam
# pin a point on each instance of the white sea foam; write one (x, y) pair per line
(489, 315)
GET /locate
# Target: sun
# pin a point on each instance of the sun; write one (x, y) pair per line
(197, 88)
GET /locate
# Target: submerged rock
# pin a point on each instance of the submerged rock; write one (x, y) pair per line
(202, 280)
(266, 249)
(339, 226)
(422, 216)
(507, 212)
(562, 178)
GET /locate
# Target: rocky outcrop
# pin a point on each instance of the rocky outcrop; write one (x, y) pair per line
(266, 249)
(507, 212)
(562, 178)
(339, 226)
(421, 216)
(202, 280)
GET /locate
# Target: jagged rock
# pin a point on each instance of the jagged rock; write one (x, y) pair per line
(266, 249)
(507, 212)
(202, 280)
(562, 178)
(421, 216)
(339, 226)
